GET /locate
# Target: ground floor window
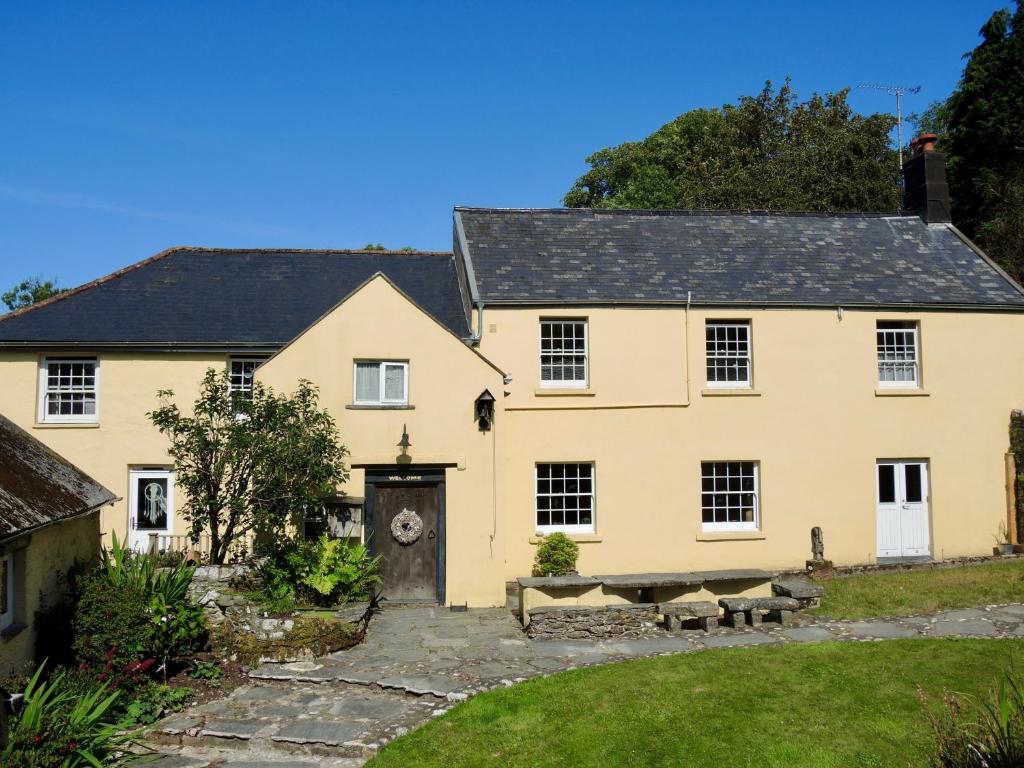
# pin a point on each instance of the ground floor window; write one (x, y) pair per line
(729, 495)
(565, 498)
(6, 591)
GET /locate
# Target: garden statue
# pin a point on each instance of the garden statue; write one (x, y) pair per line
(817, 545)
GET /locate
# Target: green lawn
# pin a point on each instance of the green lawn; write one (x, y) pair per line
(831, 704)
(926, 591)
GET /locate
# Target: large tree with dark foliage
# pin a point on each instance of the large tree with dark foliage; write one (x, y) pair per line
(250, 464)
(769, 151)
(981, 131)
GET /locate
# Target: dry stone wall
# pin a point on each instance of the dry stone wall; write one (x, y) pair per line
(594, 623)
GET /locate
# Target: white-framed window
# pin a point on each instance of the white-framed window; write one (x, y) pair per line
(898, 358)
(729, 497)
(240, 372)
(6, 590)
(565, 498)
(381, 382)
(728, 353)
(563, 353)
(69, 389)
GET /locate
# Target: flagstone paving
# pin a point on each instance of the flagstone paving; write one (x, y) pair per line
(417, 662)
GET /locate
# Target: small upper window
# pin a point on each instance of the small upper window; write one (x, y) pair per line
(728, 353)
(898, 364)
(240, 372)
(379, 382)
(729, 495)
(563, 353)
(69, 389)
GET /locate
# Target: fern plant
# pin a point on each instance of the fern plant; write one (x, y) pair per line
(339, 571)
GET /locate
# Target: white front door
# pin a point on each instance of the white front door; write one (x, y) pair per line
(902, 495)
(150, 508)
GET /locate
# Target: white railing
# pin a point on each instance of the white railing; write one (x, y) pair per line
(240, 548)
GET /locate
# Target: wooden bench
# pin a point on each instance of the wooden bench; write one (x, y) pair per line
(704, 612)
(743, 611)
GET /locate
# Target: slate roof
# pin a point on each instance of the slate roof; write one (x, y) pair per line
(38, 487)
(564, 256)
(221, 297)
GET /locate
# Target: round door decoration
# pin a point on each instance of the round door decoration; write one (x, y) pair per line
(406, 526)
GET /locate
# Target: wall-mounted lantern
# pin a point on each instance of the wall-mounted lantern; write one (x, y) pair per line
(404, 443)
(484, 410)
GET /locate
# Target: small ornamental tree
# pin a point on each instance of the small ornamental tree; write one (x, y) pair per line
(250, 464)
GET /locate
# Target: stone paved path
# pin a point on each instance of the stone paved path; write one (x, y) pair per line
(417, 662)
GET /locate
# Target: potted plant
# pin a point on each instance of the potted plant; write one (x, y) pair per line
(556, 556)
(1003, 544)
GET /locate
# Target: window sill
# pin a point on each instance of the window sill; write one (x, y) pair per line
(730, 536)
(564, 392)
(12, 630)
(730, 392)
(66, 425)
(902, 392)
(579, 538)
(380, 407)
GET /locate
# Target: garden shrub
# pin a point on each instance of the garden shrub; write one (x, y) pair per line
(132, 619)
(113, 629)
(152, 701)
(62, 726)
(985, 734)
(556, 556)
(324, 572)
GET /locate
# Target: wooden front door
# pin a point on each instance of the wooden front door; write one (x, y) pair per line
(406, 535)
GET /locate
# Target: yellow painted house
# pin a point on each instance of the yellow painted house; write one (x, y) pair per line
(675, 390)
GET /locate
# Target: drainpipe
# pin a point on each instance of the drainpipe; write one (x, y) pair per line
(686, 332)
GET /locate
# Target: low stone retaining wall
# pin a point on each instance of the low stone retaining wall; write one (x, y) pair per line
(593, 622)
(842, 571)
(210, 589)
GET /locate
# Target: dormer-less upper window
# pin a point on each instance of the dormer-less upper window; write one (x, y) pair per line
(563, 353)
(727, 344)
(69, 389)
(240, 372)
(381, 382)
(897, 345)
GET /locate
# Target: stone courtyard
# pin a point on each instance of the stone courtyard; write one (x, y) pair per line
(417, 662)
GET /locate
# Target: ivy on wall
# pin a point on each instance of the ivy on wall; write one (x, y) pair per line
(1017, 449)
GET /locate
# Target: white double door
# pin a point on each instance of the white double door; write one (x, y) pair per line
(150, 508)
(903, 519)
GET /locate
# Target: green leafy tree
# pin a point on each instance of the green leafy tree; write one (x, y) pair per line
(769, 151)
(374, 247)
(29, 292)
(981, 132)
(250, 465)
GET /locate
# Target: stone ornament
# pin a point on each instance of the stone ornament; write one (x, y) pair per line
(406, 527)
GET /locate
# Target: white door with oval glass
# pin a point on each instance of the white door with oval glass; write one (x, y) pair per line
(902, 495)
(150, 508)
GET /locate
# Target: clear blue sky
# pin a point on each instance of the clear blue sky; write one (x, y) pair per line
(130, 127)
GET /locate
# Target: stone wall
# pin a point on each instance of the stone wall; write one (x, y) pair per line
(593, 623)
(211, 589)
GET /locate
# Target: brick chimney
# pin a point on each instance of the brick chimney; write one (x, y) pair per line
(925, 191)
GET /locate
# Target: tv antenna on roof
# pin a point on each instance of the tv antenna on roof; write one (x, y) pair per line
(899, 91)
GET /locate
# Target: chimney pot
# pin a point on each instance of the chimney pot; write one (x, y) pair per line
(924, 143)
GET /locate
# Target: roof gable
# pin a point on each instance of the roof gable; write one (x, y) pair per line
(38, 487)
(559, 256)
(218, 297)
(383, 280)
